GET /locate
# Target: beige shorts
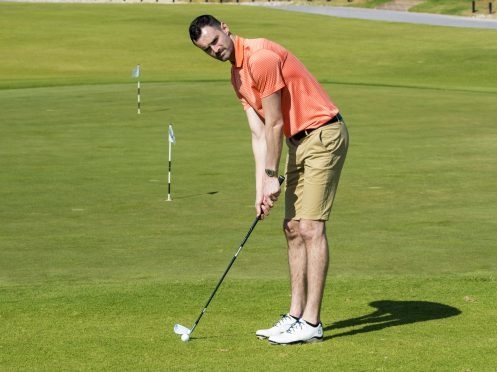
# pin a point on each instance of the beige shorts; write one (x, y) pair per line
(313, 168)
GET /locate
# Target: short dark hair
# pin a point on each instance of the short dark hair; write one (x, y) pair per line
(199, 23)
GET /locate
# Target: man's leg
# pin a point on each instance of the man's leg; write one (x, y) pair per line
(320, 156)
(297, 262)
(325, 150)
(313, 234)
(308, 259)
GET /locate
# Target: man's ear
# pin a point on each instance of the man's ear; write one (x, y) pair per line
(225, 28)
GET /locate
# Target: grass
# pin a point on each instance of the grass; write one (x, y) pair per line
(353, 3)
(391, 324)
(452, 7)
(96, 267)
(144, 34)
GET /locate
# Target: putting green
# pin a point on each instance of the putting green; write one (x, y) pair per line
(96, 267)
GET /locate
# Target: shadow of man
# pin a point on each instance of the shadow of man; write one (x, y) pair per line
(393, 313)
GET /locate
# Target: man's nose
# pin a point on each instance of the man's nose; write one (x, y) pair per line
(215, 48)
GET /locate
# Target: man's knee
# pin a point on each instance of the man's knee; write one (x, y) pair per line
(291, 229)
(310, 229)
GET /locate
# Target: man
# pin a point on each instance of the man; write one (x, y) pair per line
(280, 96)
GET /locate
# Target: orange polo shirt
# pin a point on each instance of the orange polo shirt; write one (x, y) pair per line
(262, 68)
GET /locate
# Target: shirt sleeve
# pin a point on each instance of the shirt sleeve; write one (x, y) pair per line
(266, 70)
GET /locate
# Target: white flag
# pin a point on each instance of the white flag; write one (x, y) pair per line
(136, 72)
(172, 139)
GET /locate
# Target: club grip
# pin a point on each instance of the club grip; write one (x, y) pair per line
(281, 179)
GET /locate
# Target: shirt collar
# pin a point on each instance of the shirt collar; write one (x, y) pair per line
(238, 51)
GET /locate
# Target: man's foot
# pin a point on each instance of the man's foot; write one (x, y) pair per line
(281, 325)
(300, 332)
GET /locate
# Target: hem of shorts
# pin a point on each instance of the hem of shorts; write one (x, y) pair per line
(298, 218)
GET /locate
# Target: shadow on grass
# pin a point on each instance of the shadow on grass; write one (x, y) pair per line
(196, 195)
(391, 314)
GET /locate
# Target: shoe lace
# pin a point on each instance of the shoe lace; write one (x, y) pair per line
(295, 327)
(283, 319)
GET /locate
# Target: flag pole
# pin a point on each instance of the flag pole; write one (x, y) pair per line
(138, 95)
(169, 174)
(136, 74)
(171, 140)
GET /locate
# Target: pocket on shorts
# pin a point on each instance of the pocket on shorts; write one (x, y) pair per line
(330, 136)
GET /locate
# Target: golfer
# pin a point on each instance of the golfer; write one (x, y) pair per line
(281, 97)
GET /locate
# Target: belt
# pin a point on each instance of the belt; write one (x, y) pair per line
(304, 133)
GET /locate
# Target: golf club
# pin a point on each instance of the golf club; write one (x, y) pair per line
(186, 332)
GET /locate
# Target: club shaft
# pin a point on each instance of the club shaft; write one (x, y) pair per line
(252, 227)
(226, 272)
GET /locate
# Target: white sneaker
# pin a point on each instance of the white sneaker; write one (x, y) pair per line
(281, 325)
(300, 332)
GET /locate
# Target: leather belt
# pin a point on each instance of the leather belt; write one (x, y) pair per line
(306, 132)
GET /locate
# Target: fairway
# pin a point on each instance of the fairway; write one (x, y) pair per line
(96, 266)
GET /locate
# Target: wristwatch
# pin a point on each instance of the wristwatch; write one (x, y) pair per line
(271, 173)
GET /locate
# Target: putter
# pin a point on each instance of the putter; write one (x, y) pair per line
(186, 332)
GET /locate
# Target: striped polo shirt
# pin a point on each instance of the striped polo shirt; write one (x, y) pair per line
(262, 68)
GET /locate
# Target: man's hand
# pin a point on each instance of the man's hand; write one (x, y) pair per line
(271, 189)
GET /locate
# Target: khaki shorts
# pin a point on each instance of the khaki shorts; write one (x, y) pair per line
(313, 168)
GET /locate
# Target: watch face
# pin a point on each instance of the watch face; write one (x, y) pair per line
(271, 173)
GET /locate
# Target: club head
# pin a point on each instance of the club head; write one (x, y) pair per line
(181, 330)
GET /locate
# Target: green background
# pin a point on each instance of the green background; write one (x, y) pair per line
(96, 266)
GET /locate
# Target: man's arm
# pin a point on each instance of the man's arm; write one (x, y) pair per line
(273, 131)
(267, 142)
(259, 149)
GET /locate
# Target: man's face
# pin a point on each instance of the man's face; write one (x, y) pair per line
(217, 43)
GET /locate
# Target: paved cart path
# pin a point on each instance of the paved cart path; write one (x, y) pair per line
(386, 15)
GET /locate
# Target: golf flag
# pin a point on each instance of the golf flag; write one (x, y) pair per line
(136, 72)
(172, 139)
